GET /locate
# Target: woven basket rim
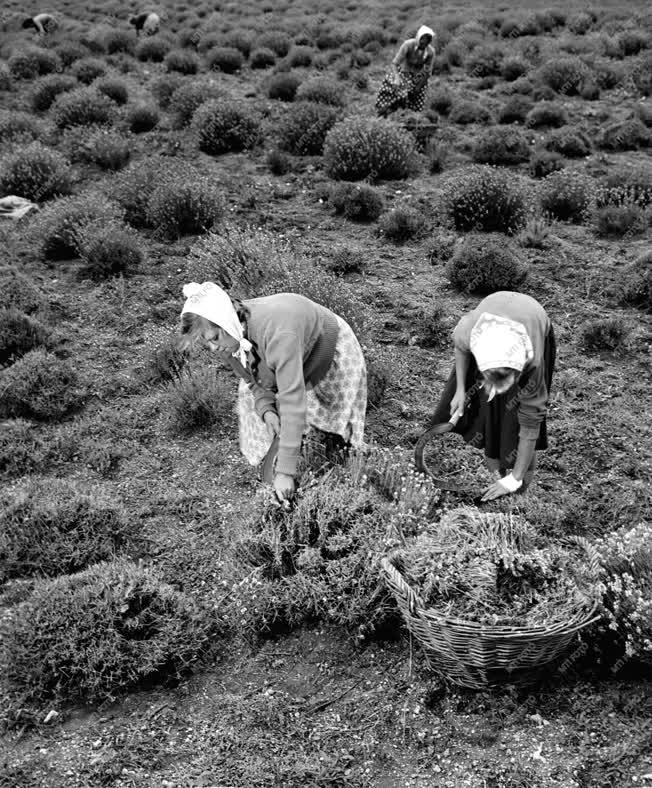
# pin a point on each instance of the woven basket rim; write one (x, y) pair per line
(579, 620)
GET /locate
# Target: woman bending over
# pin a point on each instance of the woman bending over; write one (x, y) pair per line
(406, 83)
(304, 365)
(499, 388)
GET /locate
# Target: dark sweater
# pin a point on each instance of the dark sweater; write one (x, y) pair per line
(295, 339)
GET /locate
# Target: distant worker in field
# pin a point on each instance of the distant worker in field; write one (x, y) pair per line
(148, 24)
(405, 86)
(300, 366)
(497, 393)
(42, 23)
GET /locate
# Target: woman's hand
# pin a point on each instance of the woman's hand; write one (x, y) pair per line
(284, 486)
(272, 422)
(504, 486)
(495, 490)
(458, 402)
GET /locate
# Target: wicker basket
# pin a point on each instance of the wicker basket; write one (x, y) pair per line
(480, 655)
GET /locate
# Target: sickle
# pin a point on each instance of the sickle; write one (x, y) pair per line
(267, 471)
(267, 465)
(437, 429)
(419, 461)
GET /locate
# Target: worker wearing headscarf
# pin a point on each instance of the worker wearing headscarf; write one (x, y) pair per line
(499, 388)
(42, 23)
(406, 83)
(307, 366)
(148, 23)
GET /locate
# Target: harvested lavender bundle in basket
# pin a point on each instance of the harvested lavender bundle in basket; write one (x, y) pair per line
(491, 568)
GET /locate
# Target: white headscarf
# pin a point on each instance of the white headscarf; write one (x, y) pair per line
(500, 342)
(208, 300)
(424, 30)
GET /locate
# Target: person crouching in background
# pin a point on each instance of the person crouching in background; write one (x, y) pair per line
(42, 23)
(148, 24)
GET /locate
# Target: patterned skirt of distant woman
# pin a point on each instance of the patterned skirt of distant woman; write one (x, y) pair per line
(409, 93)
(336, 405)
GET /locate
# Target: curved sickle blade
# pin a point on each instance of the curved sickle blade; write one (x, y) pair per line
(269, 460)
(419, 461)
(437, 429)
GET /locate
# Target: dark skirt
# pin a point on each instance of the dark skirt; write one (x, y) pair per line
(493, 426)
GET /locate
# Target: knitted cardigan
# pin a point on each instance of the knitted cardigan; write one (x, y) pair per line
(295, 340)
